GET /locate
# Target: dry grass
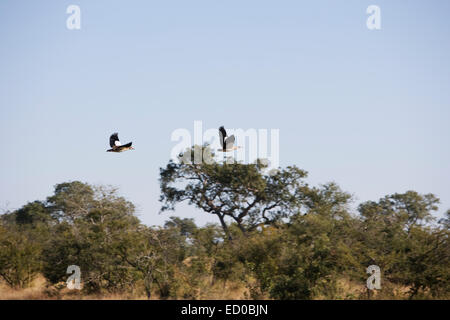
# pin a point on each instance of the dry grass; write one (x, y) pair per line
(40, 290)
(35, 292)
(227, 291)
(352, 290)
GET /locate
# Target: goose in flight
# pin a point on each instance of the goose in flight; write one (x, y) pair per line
(226, 143)
(116, 146)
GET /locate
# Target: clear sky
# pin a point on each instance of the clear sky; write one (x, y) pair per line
(368, 109)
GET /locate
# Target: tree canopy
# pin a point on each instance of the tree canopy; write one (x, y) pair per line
(277, 238)
(245, 193)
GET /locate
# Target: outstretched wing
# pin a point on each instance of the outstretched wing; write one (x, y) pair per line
(222, 134)
(114, 140)
(229, 142)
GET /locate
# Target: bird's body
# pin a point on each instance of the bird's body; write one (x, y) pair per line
(116, 146)
(226, 143)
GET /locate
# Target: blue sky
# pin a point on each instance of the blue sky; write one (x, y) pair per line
(367, 109)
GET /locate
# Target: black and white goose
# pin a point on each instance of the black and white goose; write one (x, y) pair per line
(116, 146)
(226, 143)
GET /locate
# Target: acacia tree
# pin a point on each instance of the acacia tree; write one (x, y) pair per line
(155, 254)
(406, 210)
(245, 193)
(396, 237)
(23, 233)
(93, 223)
(445, 222)
(19, 256)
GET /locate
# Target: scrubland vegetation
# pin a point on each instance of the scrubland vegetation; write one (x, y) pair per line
(276, 238)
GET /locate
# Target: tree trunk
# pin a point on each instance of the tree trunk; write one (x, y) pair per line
(148, 286)
(241, 227)
(224, 226)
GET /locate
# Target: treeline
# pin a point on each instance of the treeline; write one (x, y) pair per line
(277, 237)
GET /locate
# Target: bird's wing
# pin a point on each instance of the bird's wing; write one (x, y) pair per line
(222, 134)
(229, 142)
(221, 138)
(127, 145)
(114, 140)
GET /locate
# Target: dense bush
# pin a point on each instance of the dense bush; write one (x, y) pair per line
(281, 240)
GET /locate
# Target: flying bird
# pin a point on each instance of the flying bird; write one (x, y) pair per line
(116, 146)
(226, 143)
